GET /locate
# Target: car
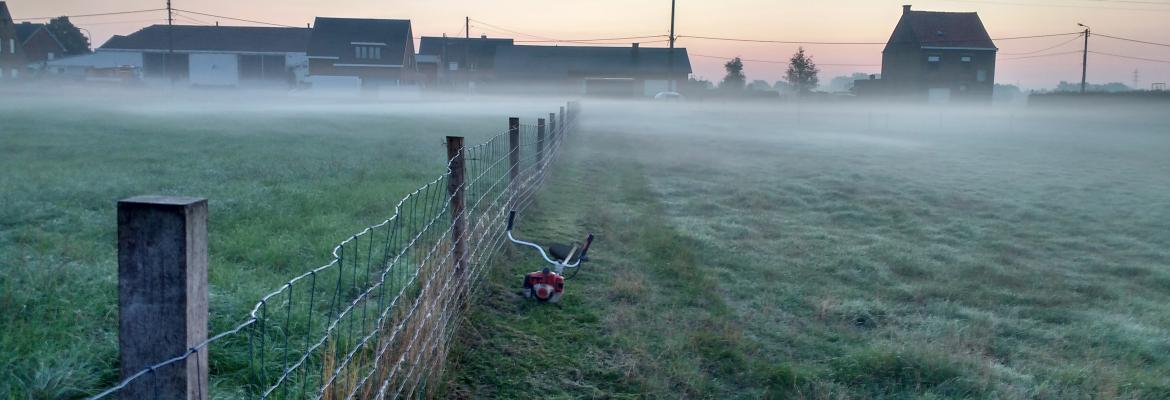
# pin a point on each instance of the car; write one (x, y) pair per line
(668, 96)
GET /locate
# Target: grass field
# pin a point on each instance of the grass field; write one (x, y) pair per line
(743, 252)
(844, 253)
(286, 179)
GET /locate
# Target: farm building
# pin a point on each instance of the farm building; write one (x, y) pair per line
(368, 52)
(446, 61)
(937, 56)
(11, 54)
(39, 43)
(213, 55)
(591, 70)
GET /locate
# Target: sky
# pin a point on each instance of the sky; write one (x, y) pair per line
(788, 20)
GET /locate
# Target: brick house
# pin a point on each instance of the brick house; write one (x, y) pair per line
(12, 62)
(375, 52)
(39, 43)
(938, 57)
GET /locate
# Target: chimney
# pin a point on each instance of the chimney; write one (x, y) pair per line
(483, 36)
(905, 9)
(634, 51)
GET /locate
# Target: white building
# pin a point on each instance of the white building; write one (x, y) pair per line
(213, 56)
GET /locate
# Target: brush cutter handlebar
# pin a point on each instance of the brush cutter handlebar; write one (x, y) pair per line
(562, 256)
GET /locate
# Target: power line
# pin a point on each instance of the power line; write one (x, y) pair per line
(1130, 57)
(782, 62)
(92, 15)
(1133, 40)
(728, 39)
(485, 24)
(1075, 38)
(237, 19)
(1042, 55)
(593, 40)
(1008, 3)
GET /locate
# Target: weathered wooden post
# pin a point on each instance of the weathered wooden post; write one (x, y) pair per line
(552, 127)
(456, 191)
(562, 123)
(539, 141)
(514, 149)
(162, 295)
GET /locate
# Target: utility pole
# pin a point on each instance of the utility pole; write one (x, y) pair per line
(670, 58)
(1085, 59)
(170, 41)
(466, 44)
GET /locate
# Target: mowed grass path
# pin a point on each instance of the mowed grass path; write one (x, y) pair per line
(857, 253)
(286, 180)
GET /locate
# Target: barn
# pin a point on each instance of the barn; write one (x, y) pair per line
(215, 56)
(633, 71)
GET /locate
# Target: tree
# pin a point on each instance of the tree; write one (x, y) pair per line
(69, 36)
(782, 86)
(735, 79)
(759, 85)
(802, 72)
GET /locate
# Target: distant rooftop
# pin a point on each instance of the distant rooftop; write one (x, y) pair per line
(238, 39)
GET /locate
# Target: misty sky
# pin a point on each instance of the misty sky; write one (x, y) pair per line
(824, 20)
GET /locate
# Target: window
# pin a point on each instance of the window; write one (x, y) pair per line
(367, 52)
(12, 46)
(51, 56)
(933, 59)
(965, 59)
(454, 66)
(981, 76)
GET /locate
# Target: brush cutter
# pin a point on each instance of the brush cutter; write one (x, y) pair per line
(548, 284)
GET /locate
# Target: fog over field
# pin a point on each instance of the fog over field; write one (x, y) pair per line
(745, 249)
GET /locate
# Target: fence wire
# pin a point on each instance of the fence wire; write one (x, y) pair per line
(377, 321)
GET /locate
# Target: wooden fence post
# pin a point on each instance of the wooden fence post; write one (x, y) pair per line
(514, 150)
(539, 140)
(457, 192)
(162, 295)
(562, 123)
(552, 127)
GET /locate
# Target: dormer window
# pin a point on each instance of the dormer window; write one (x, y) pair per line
(367, 51)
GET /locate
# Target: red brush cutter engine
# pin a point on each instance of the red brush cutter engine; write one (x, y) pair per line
(544, 286)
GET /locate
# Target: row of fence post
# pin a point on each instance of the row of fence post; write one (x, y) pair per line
(162, 274)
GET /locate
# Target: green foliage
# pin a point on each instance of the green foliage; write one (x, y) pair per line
(802, 72)
(69, 36)
(735, 79)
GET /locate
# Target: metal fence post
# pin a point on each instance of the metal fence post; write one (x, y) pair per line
(539, 140)
(457, 192)
(162, 295)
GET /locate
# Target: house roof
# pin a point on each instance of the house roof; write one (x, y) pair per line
(235, 39)
(335, 37)
(433, 45)
(4, 15)
(481, 50)
(558, 62)
(26, 29)
(941, 30)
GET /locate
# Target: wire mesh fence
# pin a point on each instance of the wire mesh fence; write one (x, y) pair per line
(377, 320)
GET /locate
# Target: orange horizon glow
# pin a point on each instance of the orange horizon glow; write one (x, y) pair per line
(823, 21)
